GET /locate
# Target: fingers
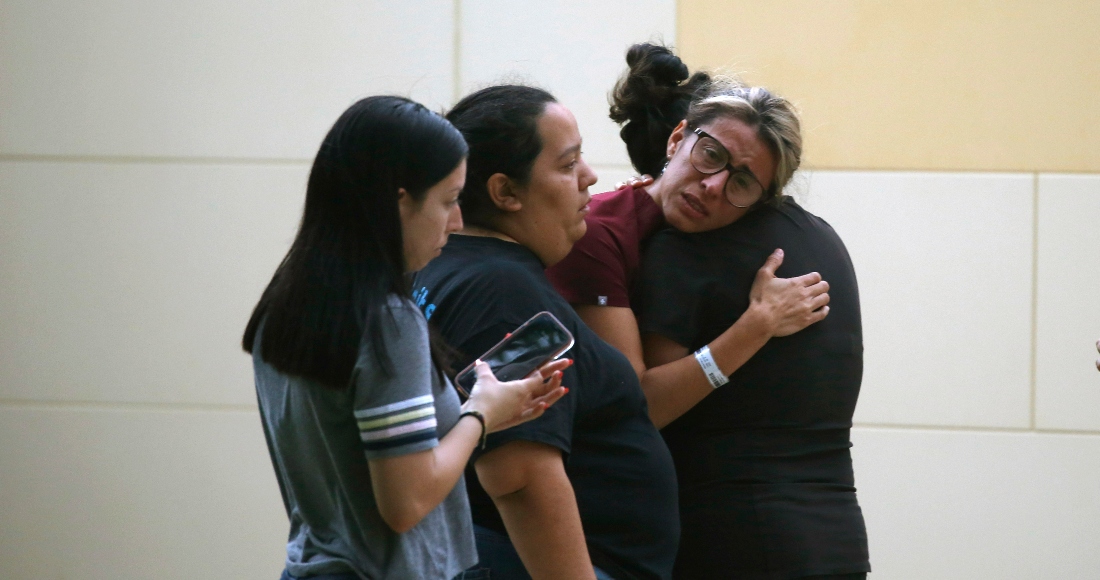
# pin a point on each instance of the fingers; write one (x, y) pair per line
(555, 365)
(817, 289)
(770, 265)
(810, 279)
(636, 181)
(818, 301)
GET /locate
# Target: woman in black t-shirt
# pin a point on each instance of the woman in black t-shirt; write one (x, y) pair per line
(763, 462)
(587, 490)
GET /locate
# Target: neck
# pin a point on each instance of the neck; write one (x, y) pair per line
(656, 191)
(480, 232)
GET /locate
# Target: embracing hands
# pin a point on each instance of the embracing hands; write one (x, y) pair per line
(507, 404)
(791, 304)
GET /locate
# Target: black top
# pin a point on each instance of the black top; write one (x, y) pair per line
(478, 290)
(766, 483)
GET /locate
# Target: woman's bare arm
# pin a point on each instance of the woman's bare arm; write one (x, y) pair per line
(407, 487)
(674, 384)
(528, 484)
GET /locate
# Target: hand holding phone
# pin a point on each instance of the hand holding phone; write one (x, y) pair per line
(507, 404)
(536, 342)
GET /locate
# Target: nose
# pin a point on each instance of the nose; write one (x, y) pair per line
(454, 220)
(715, 183)
(588, 177)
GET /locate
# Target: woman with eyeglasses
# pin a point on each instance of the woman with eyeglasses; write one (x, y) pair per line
(758, 419)
(599, 276)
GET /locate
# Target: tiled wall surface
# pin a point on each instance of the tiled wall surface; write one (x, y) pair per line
(153, 158)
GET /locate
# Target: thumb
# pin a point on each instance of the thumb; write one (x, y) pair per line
(772, 263)
(484, 372)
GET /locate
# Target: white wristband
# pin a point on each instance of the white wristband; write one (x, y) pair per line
(706, 362)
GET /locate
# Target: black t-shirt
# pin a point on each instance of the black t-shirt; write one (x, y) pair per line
(478, 290)
(766, 483)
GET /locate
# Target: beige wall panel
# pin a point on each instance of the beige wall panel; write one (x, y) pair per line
(1067, 384)
(256, 78)
(133, 495)
(134, 282)
(574, 48)
(944, 269)
(971, 505)
(919, 84)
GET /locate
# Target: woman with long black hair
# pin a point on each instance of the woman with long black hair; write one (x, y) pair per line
(366, 435)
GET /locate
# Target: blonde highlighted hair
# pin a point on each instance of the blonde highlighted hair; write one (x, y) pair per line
(773, 117)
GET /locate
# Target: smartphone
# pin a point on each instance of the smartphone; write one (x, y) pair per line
(536, 342)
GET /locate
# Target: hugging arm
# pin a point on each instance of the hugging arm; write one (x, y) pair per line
(672, 380)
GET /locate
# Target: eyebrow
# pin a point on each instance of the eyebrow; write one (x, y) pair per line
(574, 149)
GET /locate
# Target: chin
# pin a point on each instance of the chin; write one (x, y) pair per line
(578, 232)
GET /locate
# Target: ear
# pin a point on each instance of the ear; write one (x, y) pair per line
(503, 192)
(405, 203)
(676, 139)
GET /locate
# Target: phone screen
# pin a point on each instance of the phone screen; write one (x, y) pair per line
(536, 342)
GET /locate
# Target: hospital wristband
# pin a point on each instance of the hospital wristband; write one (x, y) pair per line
(710, 368)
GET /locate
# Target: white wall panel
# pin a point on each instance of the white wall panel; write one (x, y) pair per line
(944, 263)
(573, 48)
(119, 495)
(973, 505)
(211, 79)
(1067, 384)
(123, 282)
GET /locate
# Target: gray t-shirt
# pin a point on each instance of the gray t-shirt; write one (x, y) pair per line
(320, 439)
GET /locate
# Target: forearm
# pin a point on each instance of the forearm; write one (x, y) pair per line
(675, 383)
(407, 488)
(545, 527)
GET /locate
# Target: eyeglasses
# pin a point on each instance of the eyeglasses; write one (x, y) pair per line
(708, 157)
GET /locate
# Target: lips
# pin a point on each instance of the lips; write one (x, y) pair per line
(695, 204)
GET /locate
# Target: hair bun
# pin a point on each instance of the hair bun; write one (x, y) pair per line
(656, 62)
(651, 98)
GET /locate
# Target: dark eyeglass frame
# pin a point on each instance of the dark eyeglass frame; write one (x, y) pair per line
(700, 134)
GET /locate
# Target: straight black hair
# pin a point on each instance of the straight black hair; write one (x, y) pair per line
(328, 294)
(500, 124)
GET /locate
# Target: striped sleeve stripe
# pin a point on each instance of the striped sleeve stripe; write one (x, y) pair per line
(397, 419)
(390, 428)
(424, 425)
(394, 444)
(393, 407)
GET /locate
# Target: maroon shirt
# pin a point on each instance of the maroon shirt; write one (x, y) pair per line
(602, 266)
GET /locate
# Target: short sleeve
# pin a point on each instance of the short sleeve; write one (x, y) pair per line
(668, 298)
(594, 272)
(396, 412)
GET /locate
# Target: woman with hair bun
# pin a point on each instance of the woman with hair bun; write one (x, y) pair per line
(758, 420)
(366, 434)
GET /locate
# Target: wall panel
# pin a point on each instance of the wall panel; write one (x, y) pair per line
(919, 84)
(207, 78)
(965, 505)
(573, 48)
(136, 494)
(1068, 386)
(133, 282)
(944, 263)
